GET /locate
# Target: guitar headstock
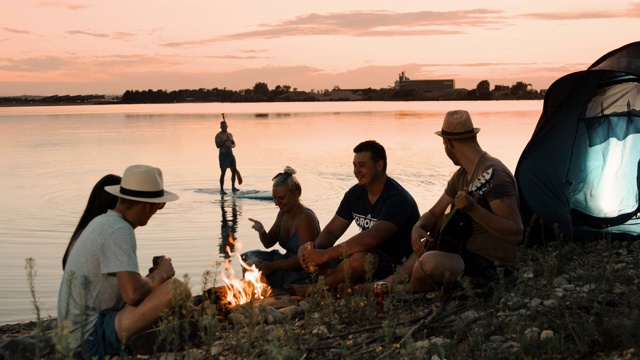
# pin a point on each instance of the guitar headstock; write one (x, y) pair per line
(482, 182)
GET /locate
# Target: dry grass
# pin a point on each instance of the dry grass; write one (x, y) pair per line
(570, 301)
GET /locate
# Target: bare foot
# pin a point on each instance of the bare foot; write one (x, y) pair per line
(222, 192)
(296, 289)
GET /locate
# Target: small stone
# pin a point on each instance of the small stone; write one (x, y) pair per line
(546, 334)
(532, 333)
(469, 315)
(292, 311)
(620, 267)
(215, 351)
(619, 288)
(238, 320)
(274, 316)
(534, 303)
(511, 346)
(440, 341)
(558, 292)
(496, 339)
(320, 331)
(559, 281)
(194, 354)
(568, 287)
(588, 287)
(305, 306)
(622, 252)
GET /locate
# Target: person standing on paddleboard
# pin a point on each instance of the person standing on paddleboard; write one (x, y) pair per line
(225, 144)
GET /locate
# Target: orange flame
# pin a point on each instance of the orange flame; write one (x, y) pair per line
(242, 290)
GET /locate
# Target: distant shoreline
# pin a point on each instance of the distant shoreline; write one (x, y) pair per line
(262, 94)
(229, 102)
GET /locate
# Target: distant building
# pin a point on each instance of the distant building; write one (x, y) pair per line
(404, 82)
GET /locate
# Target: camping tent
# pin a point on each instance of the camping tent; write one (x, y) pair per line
(579, 173)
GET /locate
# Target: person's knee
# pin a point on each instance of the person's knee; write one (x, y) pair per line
(174, 291)
(359, 263)
(438, 267)
(180, 290)
(426, 266)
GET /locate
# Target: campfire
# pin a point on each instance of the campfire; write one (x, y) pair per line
(241, 290)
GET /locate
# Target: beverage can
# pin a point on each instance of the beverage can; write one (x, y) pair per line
(156, 260)
(380, 293)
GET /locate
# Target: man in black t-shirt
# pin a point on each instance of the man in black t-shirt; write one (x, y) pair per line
(385, 213)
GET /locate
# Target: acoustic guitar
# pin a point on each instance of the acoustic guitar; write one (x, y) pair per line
(457, 227)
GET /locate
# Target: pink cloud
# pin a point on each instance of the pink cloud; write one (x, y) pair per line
(366, 24)
(632, 12)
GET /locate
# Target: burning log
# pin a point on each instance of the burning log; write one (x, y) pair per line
(235, 291)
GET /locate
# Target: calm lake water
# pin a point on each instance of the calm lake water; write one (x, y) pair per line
(50, 158)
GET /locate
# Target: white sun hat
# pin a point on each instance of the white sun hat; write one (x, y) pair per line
(142, 183)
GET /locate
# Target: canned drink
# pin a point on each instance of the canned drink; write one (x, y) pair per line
(310, 246)
(155, 262)
(380, 293)
(157, 259)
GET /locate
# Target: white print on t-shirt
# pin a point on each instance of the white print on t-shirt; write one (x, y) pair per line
(364, 222)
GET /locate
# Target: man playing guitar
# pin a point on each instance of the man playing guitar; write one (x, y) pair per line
(494, 216)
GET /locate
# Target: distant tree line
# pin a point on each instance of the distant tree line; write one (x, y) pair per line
(53, 100)
(262, 93)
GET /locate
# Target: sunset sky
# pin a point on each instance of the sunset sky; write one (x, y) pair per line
(61, 47)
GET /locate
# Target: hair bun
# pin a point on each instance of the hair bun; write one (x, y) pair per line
(290, 170)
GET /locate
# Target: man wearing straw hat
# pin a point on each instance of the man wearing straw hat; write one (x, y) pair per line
(442, 253)
(103, 300)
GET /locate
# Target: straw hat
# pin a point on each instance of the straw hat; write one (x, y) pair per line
(457, 125)
(142, 183)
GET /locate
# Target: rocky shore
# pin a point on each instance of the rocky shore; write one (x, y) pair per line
(570, 301)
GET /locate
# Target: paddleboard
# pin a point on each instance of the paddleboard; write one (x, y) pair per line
(242, 194)
(252, 194)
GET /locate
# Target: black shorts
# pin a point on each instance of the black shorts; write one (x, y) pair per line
(482, 271)
(227, 160)
(387, 263)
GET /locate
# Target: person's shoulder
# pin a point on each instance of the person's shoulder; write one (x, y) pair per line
(307, 216)
(355, 190)
(392, 186)
(395, 194)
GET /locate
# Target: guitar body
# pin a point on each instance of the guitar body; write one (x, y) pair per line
(454, 233)
(457, 228)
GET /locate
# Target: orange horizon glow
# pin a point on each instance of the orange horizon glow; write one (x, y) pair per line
(93, 47)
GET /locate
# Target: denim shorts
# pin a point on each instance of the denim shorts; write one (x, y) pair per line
(103, 340)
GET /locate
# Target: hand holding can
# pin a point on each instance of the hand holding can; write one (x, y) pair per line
(156, 261)
(310, 246)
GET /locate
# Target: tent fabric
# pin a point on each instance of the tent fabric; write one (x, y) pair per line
(580, 170)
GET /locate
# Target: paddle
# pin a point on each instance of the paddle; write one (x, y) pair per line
(238, 176)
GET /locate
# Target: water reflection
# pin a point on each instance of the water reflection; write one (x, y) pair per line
(228, 224)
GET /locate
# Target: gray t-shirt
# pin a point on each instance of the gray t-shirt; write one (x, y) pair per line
(89, 284)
